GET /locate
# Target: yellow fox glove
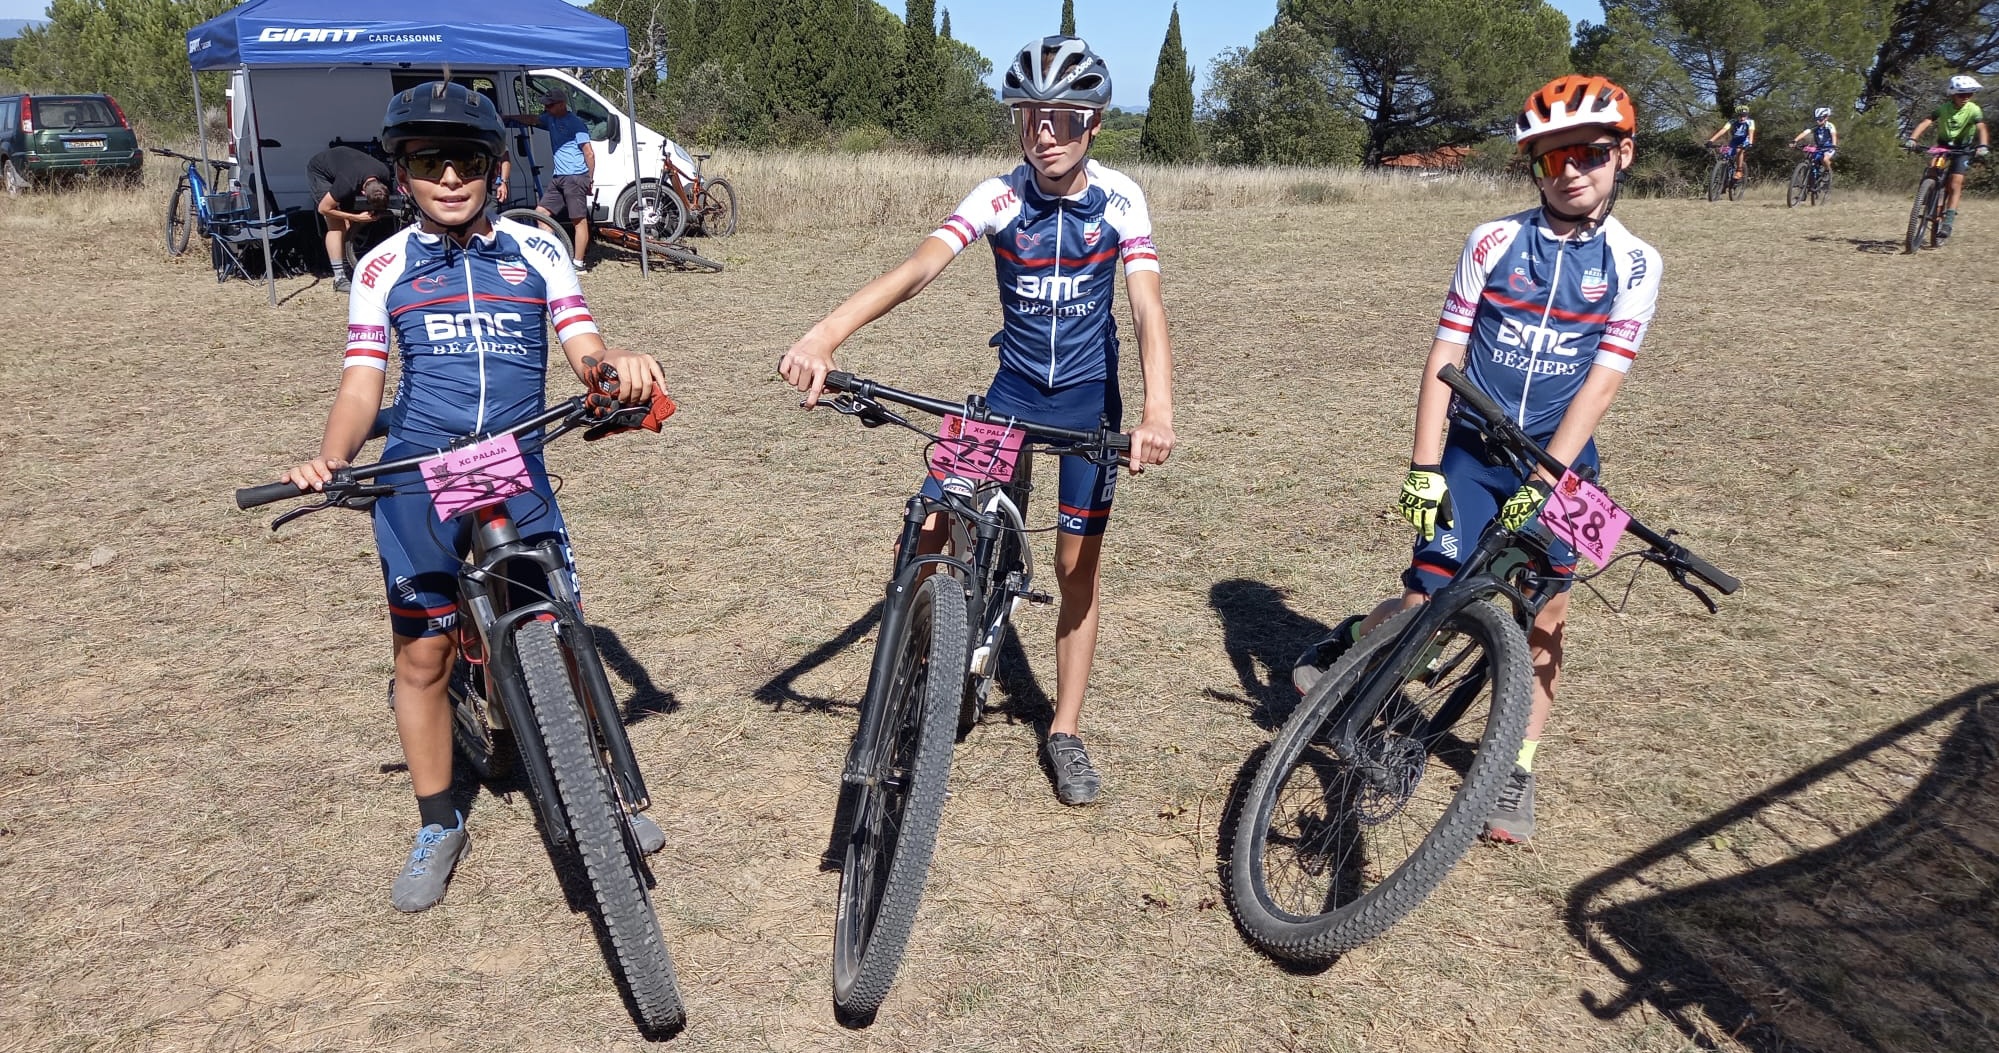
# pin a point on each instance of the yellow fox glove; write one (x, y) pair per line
(1426, 499)
(1525, 501)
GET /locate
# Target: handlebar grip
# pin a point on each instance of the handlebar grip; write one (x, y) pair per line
(252, 496)
(1708, 572)
(839, 380)
(1455, 378)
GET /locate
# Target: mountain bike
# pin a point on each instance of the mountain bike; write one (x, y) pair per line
(1381, 778)
(944, 621)
(1926, 215)
(1811, 180)
(1721, 179)
(556, 717)
(682, 205)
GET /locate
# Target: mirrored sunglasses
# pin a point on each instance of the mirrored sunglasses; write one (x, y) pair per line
(428, 165)
(1587, 157)
(1064, 124)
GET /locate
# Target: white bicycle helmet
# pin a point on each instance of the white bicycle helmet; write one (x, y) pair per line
(1822, 113)
(1963, 84)
(1060, 70)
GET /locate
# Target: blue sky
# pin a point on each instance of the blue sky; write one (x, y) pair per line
(1127, 33)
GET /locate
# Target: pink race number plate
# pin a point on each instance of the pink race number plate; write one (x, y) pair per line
(1580, 513)
(482, 474)
(975, 450)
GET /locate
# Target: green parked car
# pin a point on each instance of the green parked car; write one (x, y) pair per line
(49, 137)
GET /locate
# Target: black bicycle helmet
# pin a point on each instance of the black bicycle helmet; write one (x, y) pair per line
(440, 109)
(1060, 70)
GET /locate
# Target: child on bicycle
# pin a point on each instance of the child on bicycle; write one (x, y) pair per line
(1823, 134)
(1741, 134)
(1059, 225)
(1545, 314)
(1959, 123)
(469, 300)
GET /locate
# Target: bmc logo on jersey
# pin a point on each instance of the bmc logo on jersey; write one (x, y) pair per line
(1537, 339)
(1053, 287)
(297, 35)
(1485, 245)
(1594, 284)
(471, 325)
(1637, 268)
(375, 269)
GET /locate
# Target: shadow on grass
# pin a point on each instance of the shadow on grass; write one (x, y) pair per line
(1876, 246)
(646, 699)
(1886, 939)
(781, 690)
(1262, 636)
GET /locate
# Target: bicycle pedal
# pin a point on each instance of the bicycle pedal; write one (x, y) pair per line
(1038, 597)
(981, 657)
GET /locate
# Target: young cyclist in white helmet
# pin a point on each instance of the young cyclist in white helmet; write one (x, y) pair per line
(1545, 314)
(1959, 123)
(1061, 214)
(1823, 134)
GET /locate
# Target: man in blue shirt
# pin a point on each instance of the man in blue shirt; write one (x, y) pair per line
(575, 167)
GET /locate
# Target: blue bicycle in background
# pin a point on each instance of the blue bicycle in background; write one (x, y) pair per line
(228, 219)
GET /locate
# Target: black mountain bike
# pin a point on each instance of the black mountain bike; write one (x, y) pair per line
(1721, 179)
(944, 621)
(1380, 780)
(1926, 215)
(1811, 180)
(557, 716)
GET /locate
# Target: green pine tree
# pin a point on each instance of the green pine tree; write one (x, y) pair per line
(1169, 134)
(1068, 18)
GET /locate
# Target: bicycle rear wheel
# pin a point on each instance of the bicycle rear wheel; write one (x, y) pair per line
(180, 218)
(905, 738)
(548, 225)
(1735, 186)
(1329, 852)
(1822, 189)
(597, 823)
(1800, 182)
(1920, 220)
(716, 209)
(679, 255)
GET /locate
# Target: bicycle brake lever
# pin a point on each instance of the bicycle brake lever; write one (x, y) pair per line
(1680, 577)
(302, 510)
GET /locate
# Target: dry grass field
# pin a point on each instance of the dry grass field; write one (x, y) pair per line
(1771, 830)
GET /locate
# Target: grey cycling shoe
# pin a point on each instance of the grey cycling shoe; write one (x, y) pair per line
(432, 858)
(1076, 779)
(647, 833)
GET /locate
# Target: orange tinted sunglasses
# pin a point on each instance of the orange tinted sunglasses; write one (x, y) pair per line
(1065, 124)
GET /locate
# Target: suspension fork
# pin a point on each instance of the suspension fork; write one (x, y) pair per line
(909, 575)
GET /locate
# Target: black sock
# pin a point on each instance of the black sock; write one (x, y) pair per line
(437, 810)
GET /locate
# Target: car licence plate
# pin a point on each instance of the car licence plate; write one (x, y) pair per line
(85, 144)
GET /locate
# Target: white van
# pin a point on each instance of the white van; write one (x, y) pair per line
(305, 110)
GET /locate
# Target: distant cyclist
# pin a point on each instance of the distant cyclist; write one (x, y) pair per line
(1823, 134)
(469, 301)
(1545, 314)
(1959, 123)
(1741, 133)
(1060, 226)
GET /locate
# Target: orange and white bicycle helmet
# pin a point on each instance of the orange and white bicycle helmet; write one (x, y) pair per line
(1575, 101)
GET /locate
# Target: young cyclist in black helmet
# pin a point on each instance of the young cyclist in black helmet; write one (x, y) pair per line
(1060, 226)
(469, 300)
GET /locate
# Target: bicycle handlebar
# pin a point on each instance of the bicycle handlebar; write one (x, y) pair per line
(861, 387)
(571, 414)
(1501, 429)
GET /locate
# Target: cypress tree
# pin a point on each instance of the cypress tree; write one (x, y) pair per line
(944, 26)
(921, 78)
(1169, 119)
(1068, 18)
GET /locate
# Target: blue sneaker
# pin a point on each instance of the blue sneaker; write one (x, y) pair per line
(432, 857)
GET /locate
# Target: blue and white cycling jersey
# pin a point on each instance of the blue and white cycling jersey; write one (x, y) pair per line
(1056, 260)
(1823, 136)
(471, 325)
(1539, 310)
(1740, 131)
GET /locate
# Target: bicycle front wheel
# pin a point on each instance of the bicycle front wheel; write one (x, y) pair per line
(905, 738)
(1329, 851)
(1800, 180)
(1717, 179)
(1920, 219)
(180, 218)
(548, 224)
(597, 823)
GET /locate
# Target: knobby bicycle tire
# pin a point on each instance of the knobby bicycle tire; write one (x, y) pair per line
(1736, 186)
(1822, 190)
(1800, 188)
(909, 718)
(716, 207)
(680, 255)
(598, 826)
(548, 224)
(1717, 179)
(1919, 214)
(1307, 882)
(180, 218)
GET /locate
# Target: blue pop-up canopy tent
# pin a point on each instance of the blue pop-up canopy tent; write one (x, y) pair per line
(506, 33)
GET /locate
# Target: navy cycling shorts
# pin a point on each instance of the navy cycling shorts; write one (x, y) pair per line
(1477, 490)
(1085, 490)
(421, 556)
